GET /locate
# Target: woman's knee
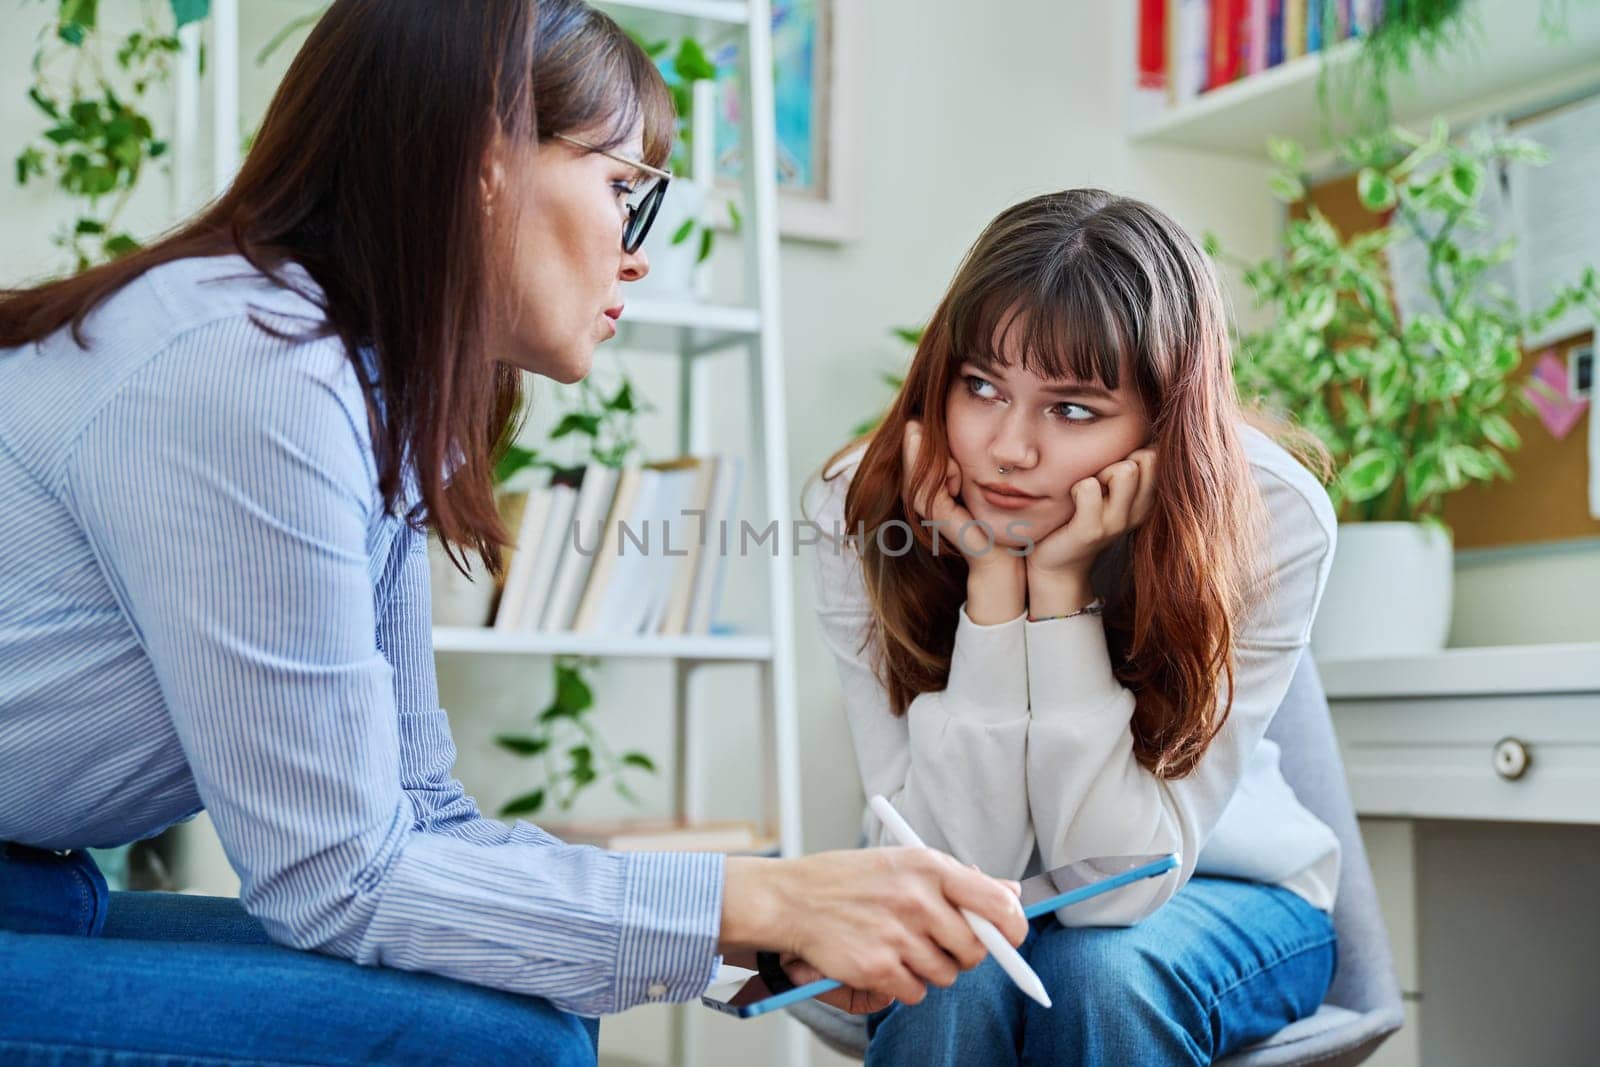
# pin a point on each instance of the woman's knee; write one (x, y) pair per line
(470, 1024)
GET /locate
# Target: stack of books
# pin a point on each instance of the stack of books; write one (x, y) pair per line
(625, 552)
(1189, 47)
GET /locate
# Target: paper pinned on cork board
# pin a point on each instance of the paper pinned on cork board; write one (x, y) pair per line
(1559, 229)
(1548, 390)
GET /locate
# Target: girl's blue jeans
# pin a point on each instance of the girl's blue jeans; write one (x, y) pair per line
(1222, 965)
(140, 979)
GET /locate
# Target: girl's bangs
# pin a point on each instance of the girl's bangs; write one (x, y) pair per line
(1063, 326)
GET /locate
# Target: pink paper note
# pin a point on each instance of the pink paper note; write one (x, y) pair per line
(1557, 410)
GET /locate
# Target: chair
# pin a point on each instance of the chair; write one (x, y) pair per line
(1363, 1005)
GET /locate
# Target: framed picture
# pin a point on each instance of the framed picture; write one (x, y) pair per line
(815, 52)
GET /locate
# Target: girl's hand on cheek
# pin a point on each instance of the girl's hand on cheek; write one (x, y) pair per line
(940, 504)
(996, 579)
(1105, 507)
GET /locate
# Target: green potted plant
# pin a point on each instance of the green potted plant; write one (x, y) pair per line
(1410, 407)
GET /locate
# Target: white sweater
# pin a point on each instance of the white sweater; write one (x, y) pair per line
(1025, 760)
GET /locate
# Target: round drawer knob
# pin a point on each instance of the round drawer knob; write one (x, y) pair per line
(1511, 759)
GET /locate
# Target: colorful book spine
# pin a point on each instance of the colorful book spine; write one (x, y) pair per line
(1191, 48)
(1294, 29)
(1153, 44)
(1316, 16)
(1274, 32)
(1222, 65)
(1260, 32)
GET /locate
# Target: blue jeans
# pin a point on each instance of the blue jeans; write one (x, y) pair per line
(1222, 965)
(181, 981)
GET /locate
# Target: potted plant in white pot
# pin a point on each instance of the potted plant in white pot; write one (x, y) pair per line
(690, 239)
(1410, 407)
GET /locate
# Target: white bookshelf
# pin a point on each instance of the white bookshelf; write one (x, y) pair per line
(484, 640)
(694, 16)
(1508, 66)
(687, 330)
(684, 328)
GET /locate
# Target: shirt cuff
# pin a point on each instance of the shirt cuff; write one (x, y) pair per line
(1069, 666)
(671, 918)
(988, 679)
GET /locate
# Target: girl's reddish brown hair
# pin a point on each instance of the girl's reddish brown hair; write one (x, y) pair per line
(1098, 286)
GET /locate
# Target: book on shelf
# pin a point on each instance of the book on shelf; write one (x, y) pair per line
(540, 577)
(1189, 23)
(1257, 36)
(638, 551)
(657, 573)
(1294, 29)
(1275, 23)
(1228, 27)
(1151, 88)
(680, 594)
(595, 496)
(526, 517)
(661, 835)
(635, 492)
(713, 569)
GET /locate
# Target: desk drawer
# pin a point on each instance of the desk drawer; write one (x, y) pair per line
(1436, 757)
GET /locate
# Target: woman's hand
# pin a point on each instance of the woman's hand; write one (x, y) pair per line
(883, 921)
(996, 579)
(1105, 507)
(854, 1001)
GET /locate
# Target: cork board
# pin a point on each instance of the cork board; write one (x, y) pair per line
(1548, 499)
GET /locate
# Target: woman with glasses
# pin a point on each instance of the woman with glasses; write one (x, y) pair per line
(220, 457)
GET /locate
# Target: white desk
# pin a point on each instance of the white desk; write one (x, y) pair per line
(1476, 773)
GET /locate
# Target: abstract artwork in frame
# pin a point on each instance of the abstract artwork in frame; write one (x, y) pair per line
(813, 42)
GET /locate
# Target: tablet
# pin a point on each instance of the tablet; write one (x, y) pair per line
(740, 992)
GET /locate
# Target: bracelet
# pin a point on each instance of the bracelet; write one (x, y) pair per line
(1093, 607)
(773, 975)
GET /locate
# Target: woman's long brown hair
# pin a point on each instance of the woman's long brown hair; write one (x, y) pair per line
(366, 172)
(1098, 286)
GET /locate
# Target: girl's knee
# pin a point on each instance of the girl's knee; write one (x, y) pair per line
(1116, 990)
(977, 1013)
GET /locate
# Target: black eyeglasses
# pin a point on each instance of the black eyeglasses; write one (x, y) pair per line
(643, 203)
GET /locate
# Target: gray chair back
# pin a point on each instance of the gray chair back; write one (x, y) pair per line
(1364, 983)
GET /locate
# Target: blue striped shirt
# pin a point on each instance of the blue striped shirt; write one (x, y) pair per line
(204, 604)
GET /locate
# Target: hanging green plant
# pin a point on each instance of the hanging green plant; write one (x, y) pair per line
(99, 137)
(1354, 97)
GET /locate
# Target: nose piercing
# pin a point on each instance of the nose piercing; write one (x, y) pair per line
(1004, 470)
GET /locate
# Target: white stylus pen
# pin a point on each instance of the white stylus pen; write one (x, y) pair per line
(993, 940)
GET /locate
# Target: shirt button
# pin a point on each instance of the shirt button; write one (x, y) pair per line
(657, 990)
